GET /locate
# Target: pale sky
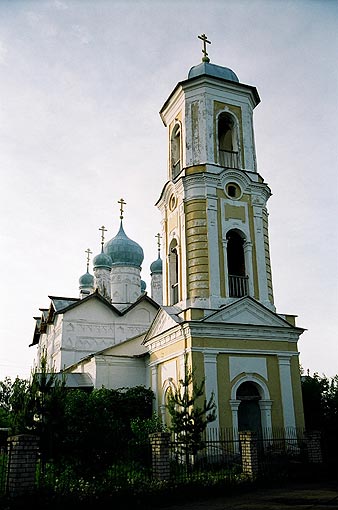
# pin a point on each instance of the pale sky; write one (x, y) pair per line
(81, 86)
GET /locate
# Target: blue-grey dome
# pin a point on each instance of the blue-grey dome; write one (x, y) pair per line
(156, 266)
(213, 70)
(86, 280)
(123, 251)
(102, 260)
(143, 286)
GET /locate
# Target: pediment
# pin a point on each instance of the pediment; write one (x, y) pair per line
(165, 319)
(248, 311)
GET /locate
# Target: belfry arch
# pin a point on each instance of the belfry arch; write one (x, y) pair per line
(173, 273)
(236, 263)
(227, 138)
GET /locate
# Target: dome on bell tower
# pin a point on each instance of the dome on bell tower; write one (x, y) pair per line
(205, 68)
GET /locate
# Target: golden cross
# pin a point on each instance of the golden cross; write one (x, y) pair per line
(88, 255)
(158, 241)
(103, 230)
(203, 37)
(122, 202)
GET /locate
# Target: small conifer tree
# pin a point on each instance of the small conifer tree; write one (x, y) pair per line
(190, 413)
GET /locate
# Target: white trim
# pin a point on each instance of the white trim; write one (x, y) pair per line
(286, 390)
(211, 383)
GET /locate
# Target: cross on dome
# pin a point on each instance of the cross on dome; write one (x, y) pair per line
(122, 203)
(159, 237)
(103, 230)
(88, 257)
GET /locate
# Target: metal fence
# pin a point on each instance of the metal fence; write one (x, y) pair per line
(219, 459)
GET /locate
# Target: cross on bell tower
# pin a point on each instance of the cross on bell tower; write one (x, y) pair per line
(204, 38)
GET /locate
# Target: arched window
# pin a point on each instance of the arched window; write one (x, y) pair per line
(227, 141)
(238, 281)
(175, 151)
(173, 273)
(249, 414)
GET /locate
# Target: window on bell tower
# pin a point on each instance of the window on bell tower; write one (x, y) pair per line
(175, 151)
(237, 279)
(227, 141)
(173, 273)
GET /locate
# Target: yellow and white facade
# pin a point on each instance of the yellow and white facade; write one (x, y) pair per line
(211, 291)
(218, 306)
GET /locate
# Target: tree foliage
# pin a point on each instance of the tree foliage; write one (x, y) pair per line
(73, 425)
(320, 401)
(190, 412)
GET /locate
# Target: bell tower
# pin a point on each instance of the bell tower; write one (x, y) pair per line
(218, 310)
(215, 220)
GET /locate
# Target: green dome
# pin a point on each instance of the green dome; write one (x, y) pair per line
(86, 280)
(123, 251)
(143, 286)
(156, 266)
(102, 260)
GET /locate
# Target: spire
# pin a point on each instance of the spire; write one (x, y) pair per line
(203, 38)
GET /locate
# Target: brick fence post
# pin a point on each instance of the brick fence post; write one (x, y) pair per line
(160, 455)
(249, 451)
(22, 462)
(314, 450)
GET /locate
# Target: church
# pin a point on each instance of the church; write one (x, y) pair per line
(211, 304)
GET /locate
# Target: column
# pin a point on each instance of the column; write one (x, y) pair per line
(286, 390)
(211, 386)
(248, 266)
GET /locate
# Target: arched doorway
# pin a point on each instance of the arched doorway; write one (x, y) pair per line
(249, 413)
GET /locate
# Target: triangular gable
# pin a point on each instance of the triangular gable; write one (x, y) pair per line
(60, 303)
(248, 311)
(165, 319)
(143, 298)
(73, 302)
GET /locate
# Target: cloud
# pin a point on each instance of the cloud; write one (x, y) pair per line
(61, 6)
(41, 22)
(82, 34)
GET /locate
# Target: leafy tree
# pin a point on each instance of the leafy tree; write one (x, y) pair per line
(5, 406)
(141, 428)
(320, 401)
(190, 413)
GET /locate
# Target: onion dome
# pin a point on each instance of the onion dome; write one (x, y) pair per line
(102, 260)
(123, 251)
(205, 68)
(156, 266)
(143, 286)
(86, 280)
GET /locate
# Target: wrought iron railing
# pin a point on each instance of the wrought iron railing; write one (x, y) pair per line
(238, 286)
(229, 159)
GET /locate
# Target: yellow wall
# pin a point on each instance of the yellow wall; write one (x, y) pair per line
(197, 249)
